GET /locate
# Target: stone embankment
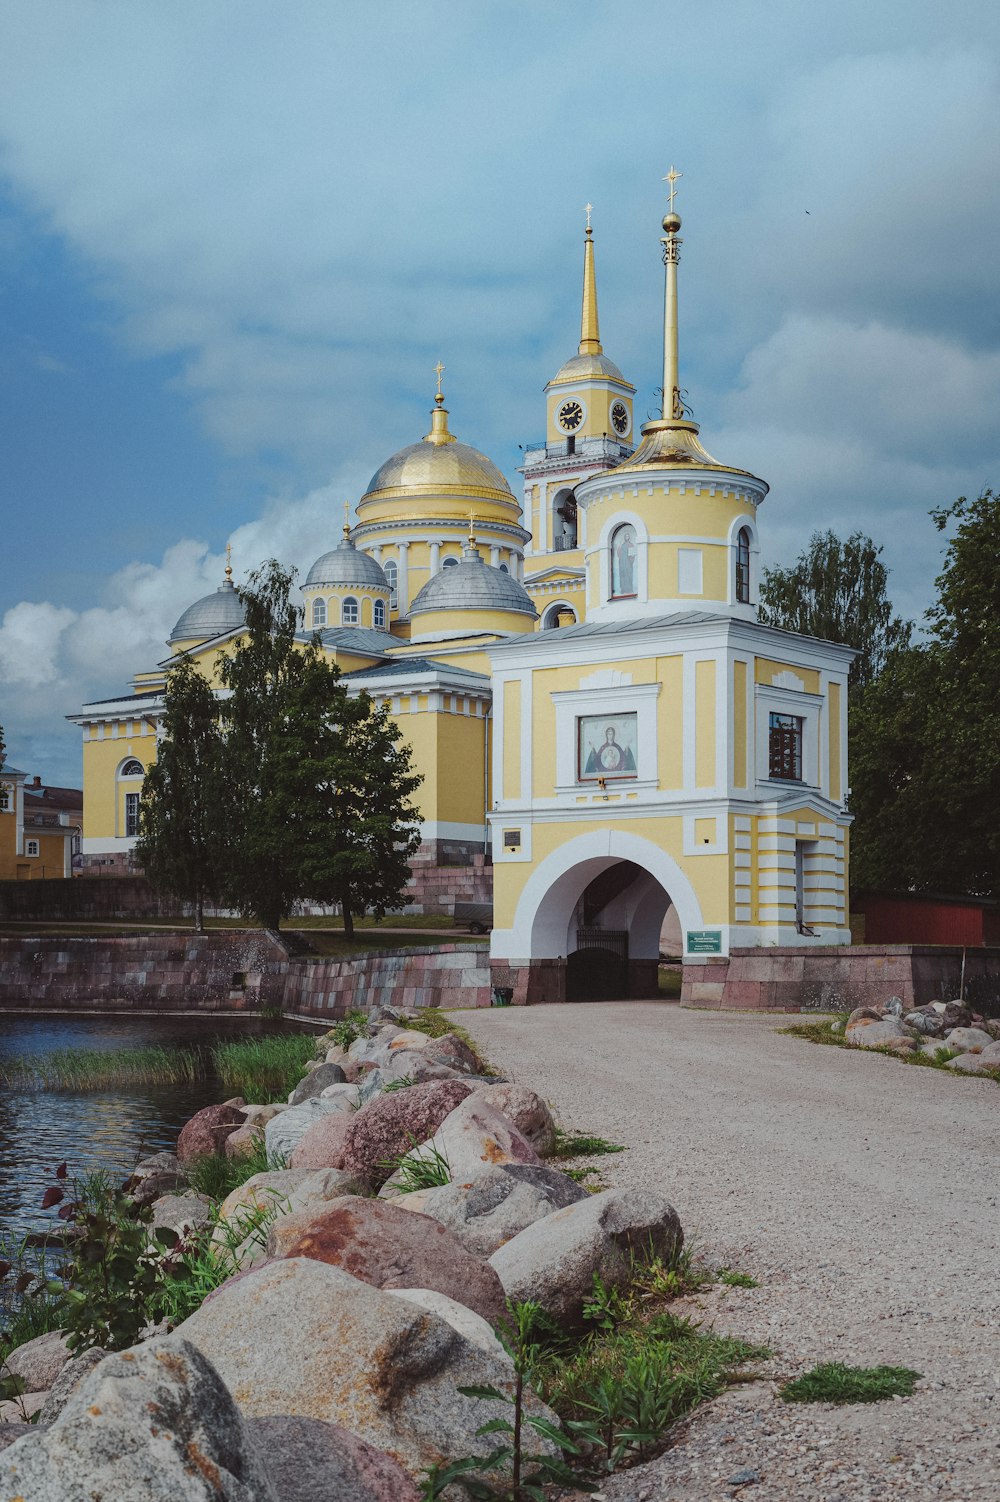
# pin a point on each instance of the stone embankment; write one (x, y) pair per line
(331, 1362)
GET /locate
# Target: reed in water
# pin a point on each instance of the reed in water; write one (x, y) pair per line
(103, 1069)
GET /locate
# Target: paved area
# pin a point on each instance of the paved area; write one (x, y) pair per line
(862, 1193)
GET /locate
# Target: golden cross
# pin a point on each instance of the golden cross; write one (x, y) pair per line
(439, 370)
(347, 518)
(229, 560)
(671, 178)
(588, 209)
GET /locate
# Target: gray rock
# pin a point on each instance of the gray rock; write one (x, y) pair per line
(300, 1337)
(872, 1034)
(926, 1022)
(316, 1081)
(158, 1163)
(283, 1133)
(154, 1424)
(894, 1007)
(968, 1063)
(554, 1260)
(38, 1362)
(265, 1197)
(67, 1382)
(15, 1429)
(475, 1136)
(308, 1460)
(345, 1097)
(967, 1038)
(527, 1110)
(459, 1316)
(496, 1205)
(182, 1212)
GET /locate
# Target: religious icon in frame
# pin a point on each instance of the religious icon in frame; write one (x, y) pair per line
(607, 746)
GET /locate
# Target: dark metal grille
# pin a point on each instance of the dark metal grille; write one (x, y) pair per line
(613, 940)
(785, 747)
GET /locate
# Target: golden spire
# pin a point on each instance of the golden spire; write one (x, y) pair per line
(439, 417)
(590, 334)
(347, 521)
(673, 406)
(229, 563)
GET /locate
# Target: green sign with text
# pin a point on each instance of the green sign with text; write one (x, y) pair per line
(704, 941)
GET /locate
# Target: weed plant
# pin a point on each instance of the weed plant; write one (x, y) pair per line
(582, 1145)
(836, 1383)
(264, 1067)
(107, 1069)
(217, 1176)
(733, 1279)
(429, 1170)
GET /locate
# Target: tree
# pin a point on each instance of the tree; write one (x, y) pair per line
(837, 590)
(3, 747)
(180, 841)
(318, 788)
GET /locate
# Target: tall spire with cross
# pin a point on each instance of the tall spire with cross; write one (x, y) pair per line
(673, 405)
(590, 336)
(439, 433)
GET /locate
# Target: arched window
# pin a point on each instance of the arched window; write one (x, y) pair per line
(624, 563)
(378, 615)
(319, 612)
(504, 569)
(132, 768)
(558, 615)
(349, 612)
(743, 566)
(563, 521)
(449, 562)
(391, 571)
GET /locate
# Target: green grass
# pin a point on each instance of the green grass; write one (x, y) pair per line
(428, 1169)
(96, 1069)
(822, 1032)
(836, 1383)
(332, 943)
(217, 1176)
(819, 1032)
(263, 1068)
(733, 1279)
(582, 1145)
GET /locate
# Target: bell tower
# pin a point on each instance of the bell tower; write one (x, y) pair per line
(588, 429)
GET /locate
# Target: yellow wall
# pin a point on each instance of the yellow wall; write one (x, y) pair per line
(597, 404)
(765, 671)
(704, 724)
(739, 724)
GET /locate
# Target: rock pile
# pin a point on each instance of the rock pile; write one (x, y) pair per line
(972, 1038)
(330, 1362)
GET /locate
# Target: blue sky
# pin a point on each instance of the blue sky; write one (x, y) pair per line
(235, 237)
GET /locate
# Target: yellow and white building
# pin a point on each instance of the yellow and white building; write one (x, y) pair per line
(660, 753)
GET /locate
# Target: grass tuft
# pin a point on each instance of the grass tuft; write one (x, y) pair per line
(581, 1145)
(820, 1032)
(103, 1069)
(263, 1067)
(733, 1279)
(217, 1176)
(430, 1170)
(836, 1383)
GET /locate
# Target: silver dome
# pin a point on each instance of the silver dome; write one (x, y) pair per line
(211, 616)
(473, 585)
(346, 565)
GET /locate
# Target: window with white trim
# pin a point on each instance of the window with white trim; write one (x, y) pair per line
(131, 814)
(132, 768)
(6, 797)
(31, 847)
(449, 562)
(784, 747)
(378, 615)
(349, 612)
(391, 571)
(319, 612)
(743, 566)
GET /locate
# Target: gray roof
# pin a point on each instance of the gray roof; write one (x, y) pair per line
(346, 565)
(631, 626)
(473, 585)
(211, 616)
(10, 771)
(354, 638)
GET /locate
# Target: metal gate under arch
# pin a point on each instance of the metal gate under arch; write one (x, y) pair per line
(597, 970)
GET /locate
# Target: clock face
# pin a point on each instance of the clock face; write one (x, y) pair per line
(619, 417)
(570, 416)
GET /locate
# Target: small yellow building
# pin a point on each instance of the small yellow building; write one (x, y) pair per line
(661, 755)
(36, 842)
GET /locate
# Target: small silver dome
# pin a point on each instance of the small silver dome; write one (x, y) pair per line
(346, 565)
(211, 616)
(473, 585)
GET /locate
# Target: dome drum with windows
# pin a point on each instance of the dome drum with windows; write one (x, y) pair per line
(346, 587)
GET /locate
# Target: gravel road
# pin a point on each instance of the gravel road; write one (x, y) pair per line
(862, 1194)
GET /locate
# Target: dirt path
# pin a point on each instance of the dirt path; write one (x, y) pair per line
(861, 1193)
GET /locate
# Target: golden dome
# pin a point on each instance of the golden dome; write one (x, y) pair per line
(440, 463)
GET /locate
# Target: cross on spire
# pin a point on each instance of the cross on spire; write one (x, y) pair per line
(588, 209)
(439, 370)
(671, 178)
(229, 560)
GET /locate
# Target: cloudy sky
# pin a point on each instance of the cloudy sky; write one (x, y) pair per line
(235, 236)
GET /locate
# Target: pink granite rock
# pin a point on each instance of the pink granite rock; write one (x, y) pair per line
(526, 1110)
(322, 1146)
(310, 1459)
(476, 1136)
(205, 1133)
(382, 1245)
(388, 1126)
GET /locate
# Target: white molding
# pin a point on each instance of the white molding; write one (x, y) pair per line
(625, 698)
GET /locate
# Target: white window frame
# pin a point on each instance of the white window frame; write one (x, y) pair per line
(32, 848)
(770, 699)
(378, 615)
(355, 606)
(318, 613)
(6, 798)
(391, 570)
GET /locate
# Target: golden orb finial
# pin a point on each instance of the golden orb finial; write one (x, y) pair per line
(671, 223)
(229, 563)
(347, 521)
(439, 370)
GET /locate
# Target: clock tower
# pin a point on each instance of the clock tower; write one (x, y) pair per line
(588, 429)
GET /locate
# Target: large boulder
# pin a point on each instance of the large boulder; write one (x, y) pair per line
(245, 1215)
(308, 1460)
(870, 1033)
(991, 1056)
(528, 1111)
(244, 1141)
(968, 1063)
(461, 1318)
(382, 1245)
(206, 1132)
(388, 1126)
(476, 1136)
(496, 1205)
(284, 1133)
(300, 1337)
(67, 1382)
(182, 1212)
(554, 1260)
(968, 1039)
(153, 1424)
(38, 1362)
(316, 1081)
(322, 1146)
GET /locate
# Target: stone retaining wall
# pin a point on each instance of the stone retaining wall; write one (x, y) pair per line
(84, 899)
(234, 971)
(839, 978)
(435, 888)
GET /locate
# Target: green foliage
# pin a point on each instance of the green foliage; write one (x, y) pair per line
(403, 1083)
(819, 1032)
(582, 1145)
(183, 810)
(733, 1279)
(836, 590)
(428, 1170)
(261, 1068)
(97, 1069)
(217, 1176)
(351, 1027)
(836, 1383)
(318, 787)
